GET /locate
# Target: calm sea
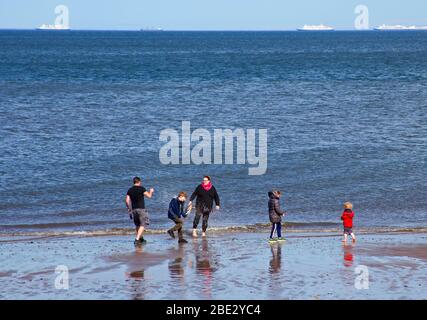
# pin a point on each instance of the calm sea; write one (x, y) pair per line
(81, 113)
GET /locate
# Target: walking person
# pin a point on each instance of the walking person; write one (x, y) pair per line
(205, 194)
(347, 219)
(275, 214)
(135, 204)
(177, 212)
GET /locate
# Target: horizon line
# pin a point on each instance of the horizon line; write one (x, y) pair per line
(194, 30)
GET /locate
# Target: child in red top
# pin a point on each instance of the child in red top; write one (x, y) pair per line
(347, 218)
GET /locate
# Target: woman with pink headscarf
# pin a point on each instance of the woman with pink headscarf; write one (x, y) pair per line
(205, 194)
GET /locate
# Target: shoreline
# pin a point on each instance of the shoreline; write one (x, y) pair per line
(222, 266)
(292, 228)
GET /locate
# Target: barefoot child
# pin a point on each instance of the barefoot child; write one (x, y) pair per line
(275, 214)
(177, 213)
(347, 218)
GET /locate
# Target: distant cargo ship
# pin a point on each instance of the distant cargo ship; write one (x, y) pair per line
(57, 27)
(399, 28)
(316, 28)
(151, 29)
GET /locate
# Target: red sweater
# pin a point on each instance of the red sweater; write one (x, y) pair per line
(347, 218)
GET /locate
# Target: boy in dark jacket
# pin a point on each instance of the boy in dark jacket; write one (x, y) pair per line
(347, 218)
(177, 213)
(275, 213)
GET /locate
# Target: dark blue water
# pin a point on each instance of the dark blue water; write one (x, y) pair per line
(81, 113)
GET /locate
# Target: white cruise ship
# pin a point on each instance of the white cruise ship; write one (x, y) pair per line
(151, 29)
(399, 28)
(52, 27)
(315, 28)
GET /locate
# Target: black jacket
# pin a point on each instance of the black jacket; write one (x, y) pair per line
(205, 198)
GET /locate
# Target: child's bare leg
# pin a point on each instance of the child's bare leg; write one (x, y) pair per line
(345, 238)
(353, 237)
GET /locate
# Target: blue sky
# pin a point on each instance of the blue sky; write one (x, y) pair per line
(209, 14)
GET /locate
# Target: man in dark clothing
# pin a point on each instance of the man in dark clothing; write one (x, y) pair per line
(205, 194)
(136, 207)
(177, 213)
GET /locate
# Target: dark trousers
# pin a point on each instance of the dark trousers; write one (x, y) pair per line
(178, 227)
(276, 227)
(197, 219)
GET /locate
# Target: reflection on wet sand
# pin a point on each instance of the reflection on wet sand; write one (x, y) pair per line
(137, 288)
(225, 266)
(176, 266)
(348, 254)
(276, 258)
(204, 266)
(137, 274)
(274, 270)
(196, 256)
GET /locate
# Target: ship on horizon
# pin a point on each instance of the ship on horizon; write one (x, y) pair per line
(55, 27)
(321, 27)
(150, 29)
(399, 27)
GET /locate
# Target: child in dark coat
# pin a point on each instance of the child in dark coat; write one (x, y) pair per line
(177, 213)
(275, 213)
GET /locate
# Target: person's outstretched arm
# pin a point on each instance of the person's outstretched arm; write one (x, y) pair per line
(188, 209)
(193, 196)
(149, 194)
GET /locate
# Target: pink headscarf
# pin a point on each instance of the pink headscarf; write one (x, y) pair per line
(207, 186)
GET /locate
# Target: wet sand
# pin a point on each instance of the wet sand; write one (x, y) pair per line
(223, 266)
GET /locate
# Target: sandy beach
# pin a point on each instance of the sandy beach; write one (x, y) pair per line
(232, 265)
